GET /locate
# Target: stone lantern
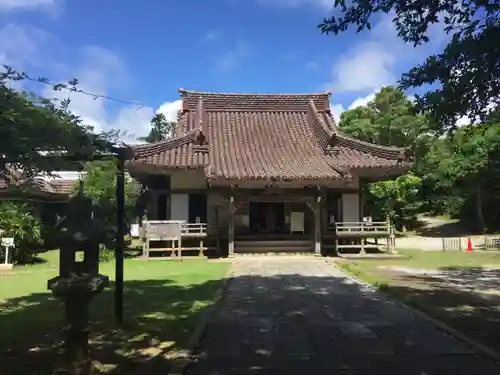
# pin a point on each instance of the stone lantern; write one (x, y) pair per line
(79, 279)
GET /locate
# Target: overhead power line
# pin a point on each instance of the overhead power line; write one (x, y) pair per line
(70, 86)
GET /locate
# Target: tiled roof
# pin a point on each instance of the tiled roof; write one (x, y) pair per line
(62, 186)
(186, 151)
(263, 136)
(36, 186)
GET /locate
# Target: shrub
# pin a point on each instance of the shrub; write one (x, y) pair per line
(127, 241)
(106, 254)
(17, 221)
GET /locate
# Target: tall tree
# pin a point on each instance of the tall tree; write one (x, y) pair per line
(469, 165)
(161, 129)
(389, 120)
(467, 71)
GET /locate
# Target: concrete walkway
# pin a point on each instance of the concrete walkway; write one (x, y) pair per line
(303, 316)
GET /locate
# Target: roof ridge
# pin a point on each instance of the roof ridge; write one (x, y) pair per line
(194, 92)
(323, 133)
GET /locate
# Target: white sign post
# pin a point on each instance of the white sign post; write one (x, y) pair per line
(7, 242)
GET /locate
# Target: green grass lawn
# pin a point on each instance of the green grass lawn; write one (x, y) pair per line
(466, 297)
(163, 301)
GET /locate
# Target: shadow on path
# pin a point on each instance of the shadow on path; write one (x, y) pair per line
(466, 298)
(310, 319)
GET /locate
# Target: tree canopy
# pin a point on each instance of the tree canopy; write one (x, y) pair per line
(33, 127)
(467, 71)
(457, 175)
(100, 184)
(161, 129)
(386, 120)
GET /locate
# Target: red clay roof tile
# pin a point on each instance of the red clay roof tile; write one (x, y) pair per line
(264, 136)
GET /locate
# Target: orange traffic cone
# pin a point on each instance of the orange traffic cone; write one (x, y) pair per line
(469, 245)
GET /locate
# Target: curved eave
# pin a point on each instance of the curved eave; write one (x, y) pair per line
(189, 151)
(149, 149)
(379, 173)
(387, 152)
(394, 153)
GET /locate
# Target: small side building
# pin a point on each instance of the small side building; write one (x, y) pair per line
(263, 172)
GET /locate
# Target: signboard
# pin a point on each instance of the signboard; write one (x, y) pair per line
(7, 242)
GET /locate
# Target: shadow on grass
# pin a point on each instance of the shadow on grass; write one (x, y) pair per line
(159, 316)
(447, 229)
(466, 298)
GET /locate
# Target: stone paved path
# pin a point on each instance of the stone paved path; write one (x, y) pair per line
(303, 316)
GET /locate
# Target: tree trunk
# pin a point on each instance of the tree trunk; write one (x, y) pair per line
(481, 224)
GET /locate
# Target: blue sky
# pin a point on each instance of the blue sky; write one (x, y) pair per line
(143, 51)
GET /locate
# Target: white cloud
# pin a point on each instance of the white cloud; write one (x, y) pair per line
(362, 101)
(232, 58)
(368, 67)
(19, 44)
(337, 109)
(376, 60)
(370, 64)
(170, 109)
(13, 5)
(99, 71)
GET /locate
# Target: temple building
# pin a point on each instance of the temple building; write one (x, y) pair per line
(261, 171)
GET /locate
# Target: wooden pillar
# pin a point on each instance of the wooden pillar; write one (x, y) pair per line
(230, 237)
(317, 227)
(145, 252)
(362, 251)
(217, 228)
(361, 214)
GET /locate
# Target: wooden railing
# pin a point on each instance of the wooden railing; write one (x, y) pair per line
(374, 226)
(195, 229)
(356, 234)
(172, 228)
(173, 232)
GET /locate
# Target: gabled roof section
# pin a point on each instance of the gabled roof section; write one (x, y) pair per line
(186, 151)
(236, 136)
(15, 184)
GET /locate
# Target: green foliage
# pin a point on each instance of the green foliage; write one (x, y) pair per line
(388, 120)
(106, 254)
(100, 184)
(31, 124)
(467, 71)
(161, 129)
(397, 199)
(17, 221)
(458, 174)
(127, 240)
(470, 166)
